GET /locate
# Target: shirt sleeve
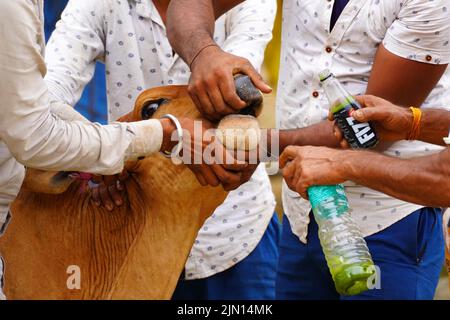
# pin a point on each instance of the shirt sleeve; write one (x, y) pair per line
(73, 49)
(421, 32)
(249, 29)
(38, 138)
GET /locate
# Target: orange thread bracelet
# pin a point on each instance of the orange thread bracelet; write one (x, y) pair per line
(415, 128)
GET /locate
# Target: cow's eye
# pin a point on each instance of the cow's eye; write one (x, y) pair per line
(150, 108)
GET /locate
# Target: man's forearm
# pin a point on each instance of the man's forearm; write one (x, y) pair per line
(320, 134)
(190, 24)
(434, 126)
(424, 180)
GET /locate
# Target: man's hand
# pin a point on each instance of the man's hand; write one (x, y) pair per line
(211, 85)
(109, 191)
(304, 167)
(208, 159)
(391, 122)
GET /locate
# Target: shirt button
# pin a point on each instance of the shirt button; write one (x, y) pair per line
(328, 49)
(315, 94)
(428, 58)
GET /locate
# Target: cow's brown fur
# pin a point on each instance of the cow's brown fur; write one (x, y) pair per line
(136, 252)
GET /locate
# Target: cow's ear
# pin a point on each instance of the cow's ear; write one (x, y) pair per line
(48, 182)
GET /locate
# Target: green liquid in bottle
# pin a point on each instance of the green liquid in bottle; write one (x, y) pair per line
(345, 249)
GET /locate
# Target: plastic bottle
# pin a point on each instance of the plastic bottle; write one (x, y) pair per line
(342, 104)
(345, 249)
(343, 244)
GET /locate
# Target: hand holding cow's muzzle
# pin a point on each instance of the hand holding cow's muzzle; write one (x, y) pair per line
(211, 162)
(109, 191)
(211, 85)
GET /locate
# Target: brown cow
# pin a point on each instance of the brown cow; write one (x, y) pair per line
(136, 252)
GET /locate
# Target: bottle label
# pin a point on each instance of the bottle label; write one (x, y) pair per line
(358, 135)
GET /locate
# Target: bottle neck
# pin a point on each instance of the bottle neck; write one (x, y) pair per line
(337, 96)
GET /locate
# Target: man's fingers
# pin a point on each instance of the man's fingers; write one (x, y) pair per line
(197, 102)
(115, 195)
(209, 175)
(302, 189)
(256, 78)
(289, 173)
(288, 154)
(218, 103)
(235, 166)
(96, 197)
(201, 179)
(248, 172)
(330, 115)
(370, 114)
(369, 101)
(340, 137)
(204, 104)
(228, 90)
(105, 197)
(225, 176)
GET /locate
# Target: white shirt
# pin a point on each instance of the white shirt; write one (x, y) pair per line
(130, 38)
(413, 29)
(31, 134)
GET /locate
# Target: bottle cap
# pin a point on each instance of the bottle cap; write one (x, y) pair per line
(324, 75)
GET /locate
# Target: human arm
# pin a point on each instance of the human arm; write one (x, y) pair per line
(191, 35)
(393, 122)
(424, 180)
(37, 137)
(73, 49)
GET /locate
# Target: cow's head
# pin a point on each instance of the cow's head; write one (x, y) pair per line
(153, 103)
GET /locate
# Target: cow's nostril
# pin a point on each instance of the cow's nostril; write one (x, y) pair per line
(247, 91)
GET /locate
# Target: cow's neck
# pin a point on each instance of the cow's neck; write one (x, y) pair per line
(138, 251)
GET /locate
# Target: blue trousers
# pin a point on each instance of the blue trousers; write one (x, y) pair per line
(251, 279)
(409, 255)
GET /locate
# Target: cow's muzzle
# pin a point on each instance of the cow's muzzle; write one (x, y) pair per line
(241, 131)
(247, 91)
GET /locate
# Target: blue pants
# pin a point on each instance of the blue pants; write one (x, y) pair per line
(409, 254)
(251, 279)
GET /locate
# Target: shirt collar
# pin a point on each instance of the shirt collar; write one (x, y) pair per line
(146, 9)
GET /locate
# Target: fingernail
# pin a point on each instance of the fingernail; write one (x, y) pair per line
(357, 113)
(109, 207)
(118, 202)
(97, 204)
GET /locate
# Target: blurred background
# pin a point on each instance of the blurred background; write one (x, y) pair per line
(93, 102)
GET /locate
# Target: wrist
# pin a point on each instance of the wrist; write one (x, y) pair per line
(208, 48)
(168, 128)
(414, 131)
(346, 164)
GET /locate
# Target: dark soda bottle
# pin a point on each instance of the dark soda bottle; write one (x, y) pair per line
(342, 104)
